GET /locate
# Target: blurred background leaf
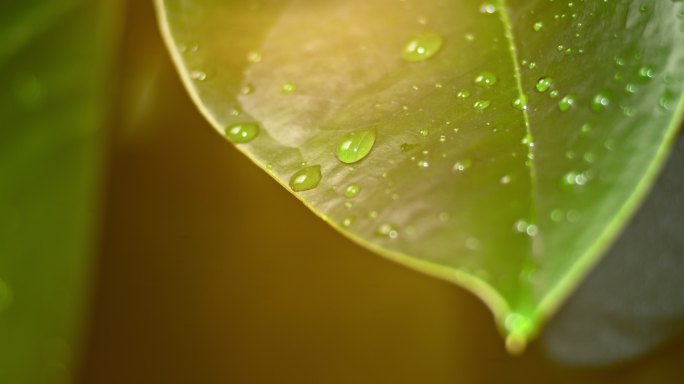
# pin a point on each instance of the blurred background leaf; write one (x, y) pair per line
(55, 66)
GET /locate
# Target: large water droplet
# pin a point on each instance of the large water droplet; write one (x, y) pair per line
(422, 47)
(485, 79)
(544, 84)
(241, 133)
(356, 145)
(306, 178)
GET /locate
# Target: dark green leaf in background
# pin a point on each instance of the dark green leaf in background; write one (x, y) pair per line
(513, 139)
(55, 58)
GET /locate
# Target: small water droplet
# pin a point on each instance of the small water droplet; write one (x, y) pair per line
(254, 57)
(422, 47)
(566, 102)
(424, 164)
(198, 75)
(600, 102)
(388, 230)
(241, 133)
(352, 190)
(463, 94)
(505, 180)
(538, 26)
(462, 165)
(487, 8)
(631, 88)
(407, 147)
(247, 89)
(306, 178)
(557, 215)
(356, 145)
(646, 73)
(544, 84)
(289, 88)
(520, 103)
(469, 36)
(553, 94)
(667, 101)
(424, 132)
(481, 105)
(485, 79)
(348, 221)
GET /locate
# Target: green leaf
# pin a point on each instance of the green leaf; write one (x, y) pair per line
(512, 139)
(54, 71)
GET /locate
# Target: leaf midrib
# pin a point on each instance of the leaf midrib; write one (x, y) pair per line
(506, 21)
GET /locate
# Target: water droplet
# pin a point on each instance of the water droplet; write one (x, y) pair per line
(485, 79)
(646, 73)
(388, 230)
(481, 105)
(566, 102)
(487, 8)
(585, 129)
(631, 88)
(544, 84)
(424, 164)
(667, 101)
(198, 75)
(352, 190)
(247, 89)
(469, 36)
(532, 65)
(424, 132)
(538, 26)
(306, 178)
(241, 133)
(505, 180)
(553, 94)
(600, 102)
(254, 57)
(463, 94)
(557, 215)
(289, 88)
(407, 147)
(462, 165)
(348, 221)
(422, 47)
(576, 178)
(356, 145)
(520, 103)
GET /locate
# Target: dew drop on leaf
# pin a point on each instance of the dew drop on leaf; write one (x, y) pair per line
(600, 101)
(481, 105)
(520, 103)
(566, 102)
(463, 94)
(352, 190)
(388, 230)
(241, 133)
(485, 79)
(422, 47)
(289, 88)
(306, 178)
(356, 145)
(544, 84)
